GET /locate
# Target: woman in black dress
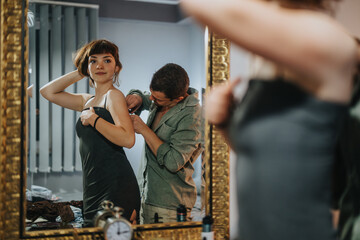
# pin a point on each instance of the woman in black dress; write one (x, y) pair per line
(285, 128)
(104, 128)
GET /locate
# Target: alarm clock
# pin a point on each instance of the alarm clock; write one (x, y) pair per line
(116, 227)
(102, 215)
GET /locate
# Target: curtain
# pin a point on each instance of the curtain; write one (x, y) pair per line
(58, 31)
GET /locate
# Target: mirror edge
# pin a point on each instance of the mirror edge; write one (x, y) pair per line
(13, 65)
(218, 159)
(13, 127)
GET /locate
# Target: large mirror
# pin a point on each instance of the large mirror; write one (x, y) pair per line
(57, 29)
(179, 43)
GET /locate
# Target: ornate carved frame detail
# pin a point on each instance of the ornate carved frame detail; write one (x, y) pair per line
(218, 157)
(13, 127)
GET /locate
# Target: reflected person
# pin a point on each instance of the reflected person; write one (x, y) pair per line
(173, 143)
(285, 129)
(104, 128)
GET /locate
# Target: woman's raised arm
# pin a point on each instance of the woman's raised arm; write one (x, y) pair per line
(307, 42)
(54, 91)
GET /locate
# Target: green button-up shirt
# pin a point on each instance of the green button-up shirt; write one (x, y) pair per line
(168, 176)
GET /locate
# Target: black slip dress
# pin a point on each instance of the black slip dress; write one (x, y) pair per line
(284, 139)
(107, 173)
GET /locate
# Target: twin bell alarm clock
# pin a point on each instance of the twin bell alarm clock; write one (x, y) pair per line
(115, 226)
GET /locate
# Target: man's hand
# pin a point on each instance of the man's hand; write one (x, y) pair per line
(139, 125)
(133, 102)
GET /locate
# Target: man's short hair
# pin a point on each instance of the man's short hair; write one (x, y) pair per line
(172, 80)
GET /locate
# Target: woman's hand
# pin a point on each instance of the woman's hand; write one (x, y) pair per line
(219, 103)
(80, 74)
(88, 117)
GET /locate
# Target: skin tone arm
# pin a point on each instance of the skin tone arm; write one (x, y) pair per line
(314, 45)
(152, 140)
(121, 132)
(218, 104)
(54, 92)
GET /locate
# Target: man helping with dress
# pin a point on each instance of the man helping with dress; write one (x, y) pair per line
(173, 143)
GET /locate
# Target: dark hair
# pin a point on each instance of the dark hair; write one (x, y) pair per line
(172, 80)
(100, 46)
(312, 4)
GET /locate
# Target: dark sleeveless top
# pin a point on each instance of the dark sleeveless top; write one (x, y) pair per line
(107, 173)
(284, 139)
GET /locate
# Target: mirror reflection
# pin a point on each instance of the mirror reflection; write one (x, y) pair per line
(167, 165)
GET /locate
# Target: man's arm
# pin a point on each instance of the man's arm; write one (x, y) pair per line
(151, 139)
(146, 102)
(184, 141)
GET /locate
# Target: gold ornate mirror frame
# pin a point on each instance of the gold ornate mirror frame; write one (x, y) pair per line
(13, 82)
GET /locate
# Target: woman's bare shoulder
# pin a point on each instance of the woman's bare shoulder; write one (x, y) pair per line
(116, 96)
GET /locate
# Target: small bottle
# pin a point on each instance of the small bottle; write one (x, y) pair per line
(181, 213)
(207, 233)
(157, 218)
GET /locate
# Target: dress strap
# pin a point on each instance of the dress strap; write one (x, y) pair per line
(105, 100)
(88, 100)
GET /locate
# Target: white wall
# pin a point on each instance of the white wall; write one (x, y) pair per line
(144, 47)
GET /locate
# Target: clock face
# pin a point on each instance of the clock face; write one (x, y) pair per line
(118, 230)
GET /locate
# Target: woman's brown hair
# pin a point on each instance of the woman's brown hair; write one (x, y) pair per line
(81, 60)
